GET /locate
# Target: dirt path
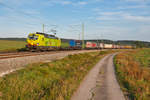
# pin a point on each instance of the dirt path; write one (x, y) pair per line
(100, 83)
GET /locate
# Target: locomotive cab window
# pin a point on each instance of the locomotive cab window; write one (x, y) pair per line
(33, 37)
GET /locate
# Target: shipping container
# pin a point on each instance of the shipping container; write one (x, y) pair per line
(101, 45)
(122, 47)
(72, 43)
(118, 46)
(91, 45)
(94, 45)
(88, 44)
(78, 43)
(115, 46)
(108, 46)
(128, 47)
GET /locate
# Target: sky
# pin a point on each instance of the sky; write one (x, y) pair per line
(103, 19)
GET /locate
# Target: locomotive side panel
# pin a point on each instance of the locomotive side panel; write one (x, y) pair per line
(42, 41)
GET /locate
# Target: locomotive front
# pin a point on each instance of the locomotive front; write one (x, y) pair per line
(32, 41)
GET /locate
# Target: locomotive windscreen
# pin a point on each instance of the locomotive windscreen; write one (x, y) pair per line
(33, 37)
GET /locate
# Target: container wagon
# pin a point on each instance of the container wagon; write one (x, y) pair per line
(108, 46)
(91, 45)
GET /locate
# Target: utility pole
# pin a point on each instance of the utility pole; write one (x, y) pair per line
(98, 44)
(102, 40)
(79, 35)
(43, 28)
(83, 36)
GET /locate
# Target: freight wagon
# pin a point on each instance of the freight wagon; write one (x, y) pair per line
(116, 47)
(101, 45)
(78, 44)
(108, 46)
(75, 44)
(91, 45)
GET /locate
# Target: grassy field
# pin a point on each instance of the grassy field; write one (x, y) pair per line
(11, 45)
(55, 80)
(133, 72)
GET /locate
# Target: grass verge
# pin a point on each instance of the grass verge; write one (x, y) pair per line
(55, 80)
(133, 73)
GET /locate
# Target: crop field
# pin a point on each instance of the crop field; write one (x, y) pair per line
(11, 45)
(56, 80)
(133, 73)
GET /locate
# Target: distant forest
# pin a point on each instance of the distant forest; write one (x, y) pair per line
(138, 44)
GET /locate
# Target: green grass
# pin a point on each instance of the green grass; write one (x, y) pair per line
(11, 45)
(55, 80)
(143, 57)
(133, 73)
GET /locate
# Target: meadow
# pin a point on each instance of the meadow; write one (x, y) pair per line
(56, 80)
(11, 45)
(133, 73)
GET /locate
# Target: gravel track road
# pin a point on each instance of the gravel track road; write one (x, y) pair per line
(100, 83)
(12, 64)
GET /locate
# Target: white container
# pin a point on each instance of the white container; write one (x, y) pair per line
(101, 45)
(108, 46)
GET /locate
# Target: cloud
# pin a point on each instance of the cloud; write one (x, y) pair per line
(133, 7)
(62, 2)
(120, 15)
(137, 18)
(110, 13)
(134, 0)
(137, 0)
(66, 2)
(109, 16)
(82, 3)
(106, 18)
(97, 0)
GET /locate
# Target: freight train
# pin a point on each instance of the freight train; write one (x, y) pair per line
(42, 41)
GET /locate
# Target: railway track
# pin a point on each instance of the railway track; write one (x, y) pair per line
(23, 54)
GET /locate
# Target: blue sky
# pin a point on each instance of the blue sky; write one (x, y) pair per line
(109, 19)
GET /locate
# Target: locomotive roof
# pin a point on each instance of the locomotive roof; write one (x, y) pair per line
(47, 35)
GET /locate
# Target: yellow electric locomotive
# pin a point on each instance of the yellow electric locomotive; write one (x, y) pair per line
(42, 41)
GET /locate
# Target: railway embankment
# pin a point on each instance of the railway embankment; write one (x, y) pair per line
(56, 80)
(12, 62)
